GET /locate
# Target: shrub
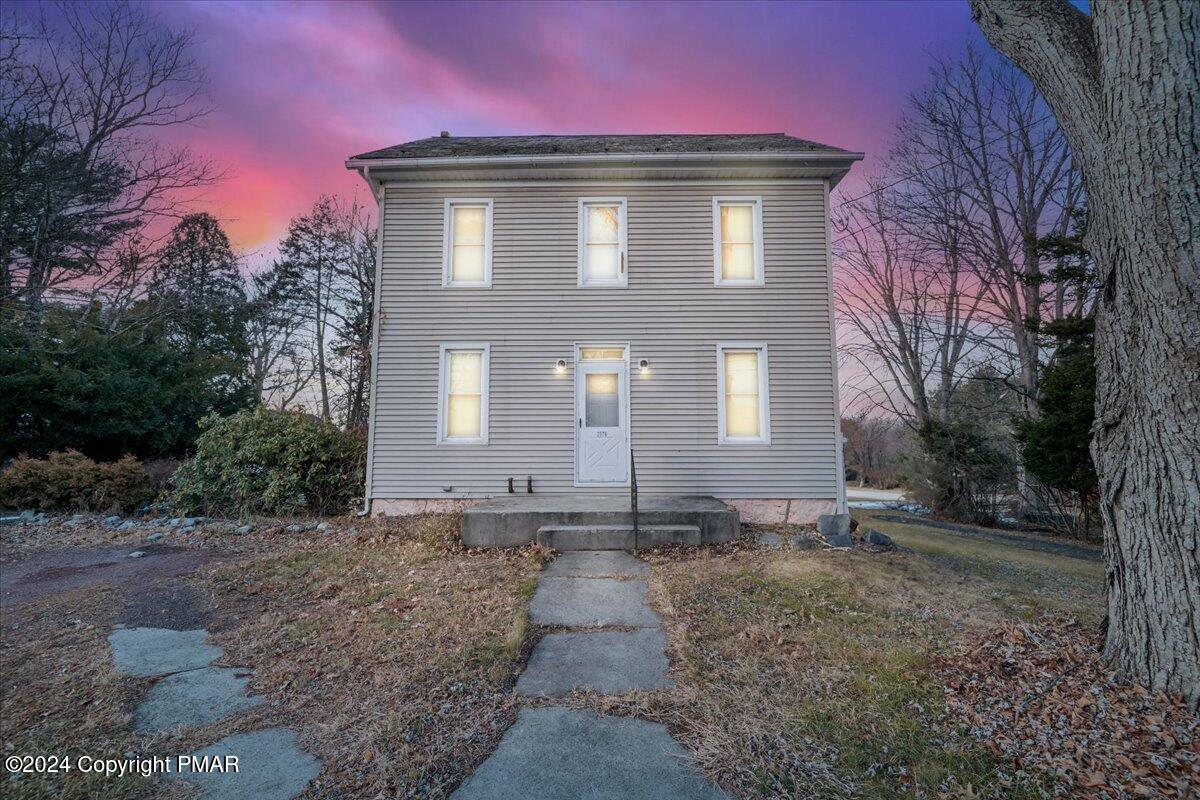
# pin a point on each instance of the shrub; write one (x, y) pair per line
(70, 481)
(270, 462)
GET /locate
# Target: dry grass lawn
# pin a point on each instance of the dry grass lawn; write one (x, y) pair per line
(393, 653)
(810, 673)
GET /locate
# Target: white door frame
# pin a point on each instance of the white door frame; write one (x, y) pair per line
(626, 409)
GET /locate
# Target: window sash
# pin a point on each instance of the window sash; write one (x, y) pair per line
(462, 417)
(602, 238)
(737, 241)
(743, 394)
(467, 252)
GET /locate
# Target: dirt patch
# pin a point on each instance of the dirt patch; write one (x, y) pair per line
(174, 604)
(57, 571)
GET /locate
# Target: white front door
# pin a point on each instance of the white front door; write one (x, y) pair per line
(601, 423)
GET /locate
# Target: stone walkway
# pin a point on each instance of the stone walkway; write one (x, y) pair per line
(190, 692)
(559, 752)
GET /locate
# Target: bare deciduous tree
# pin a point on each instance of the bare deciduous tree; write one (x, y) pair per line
(1124, 84)
(872, 448)
(326, 278)
(80, 175)
(907, 298)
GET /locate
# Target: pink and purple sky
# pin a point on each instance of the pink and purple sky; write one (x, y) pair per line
(298, 87)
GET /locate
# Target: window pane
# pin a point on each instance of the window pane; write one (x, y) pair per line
(469, 222)
(737, 261)
(466, 371)
(741, 417)
(601, 353)
(466, 263)
(601, 262)
(602, 223)
(462, 416)
(737, 224)
(601, 405)
(741, 395)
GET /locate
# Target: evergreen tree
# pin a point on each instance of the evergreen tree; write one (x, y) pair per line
(199, 296)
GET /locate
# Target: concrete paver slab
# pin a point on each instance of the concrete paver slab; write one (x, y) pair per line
(591, 603)
(270, 767)
(610, 662)
(196, 697)
(145, 652)
(552, 753)
(596, 564)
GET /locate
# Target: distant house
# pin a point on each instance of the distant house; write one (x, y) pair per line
(550, 305)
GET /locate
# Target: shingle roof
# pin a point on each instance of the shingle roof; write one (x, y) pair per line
(469, 146)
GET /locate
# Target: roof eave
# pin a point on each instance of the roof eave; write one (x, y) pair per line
(550, 159)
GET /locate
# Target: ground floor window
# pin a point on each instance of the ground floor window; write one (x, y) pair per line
(463, 394)
(744, 415)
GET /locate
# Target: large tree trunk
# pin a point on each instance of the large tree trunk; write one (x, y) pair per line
(1125, 86)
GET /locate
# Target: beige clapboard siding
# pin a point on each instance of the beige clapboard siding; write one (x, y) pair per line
(670, 314)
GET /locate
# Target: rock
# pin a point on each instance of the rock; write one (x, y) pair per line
(352, 530)
(839, 540)
(872, 536)
(128, 524)
(28, 516)
(833, 525)
(294, 528)
(244, 529)
(154, 537)
(174, 521)
(136, 554)
(190, 522)
(113, 520)
(76, 519)
(324, 526)
(771, 540)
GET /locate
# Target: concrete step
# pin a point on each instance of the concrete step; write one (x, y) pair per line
(615, 537)
(514, 520)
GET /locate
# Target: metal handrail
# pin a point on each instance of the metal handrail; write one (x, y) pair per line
(633, 496)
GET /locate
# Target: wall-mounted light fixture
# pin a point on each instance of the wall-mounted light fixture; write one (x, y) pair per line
(560, 366)
(644, 366)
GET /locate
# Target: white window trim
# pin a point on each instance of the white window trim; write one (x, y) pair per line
(448, 242)
(622, 242)
(759, 278)
(484, 395)
(764, 394)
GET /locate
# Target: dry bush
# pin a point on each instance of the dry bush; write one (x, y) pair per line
(70, 481)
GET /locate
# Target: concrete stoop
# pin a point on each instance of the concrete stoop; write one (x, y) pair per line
(598, 522)
(615, 537)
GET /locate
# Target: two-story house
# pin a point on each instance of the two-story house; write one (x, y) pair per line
(549, 305)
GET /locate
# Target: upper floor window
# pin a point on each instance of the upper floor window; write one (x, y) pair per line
(602, 242)
(463, 394)
(743, 406)
(467, 248)
(737, 241)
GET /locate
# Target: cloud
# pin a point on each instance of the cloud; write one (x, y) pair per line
(298, 87)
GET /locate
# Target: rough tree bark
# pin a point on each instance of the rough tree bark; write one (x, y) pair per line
(1125, 86)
